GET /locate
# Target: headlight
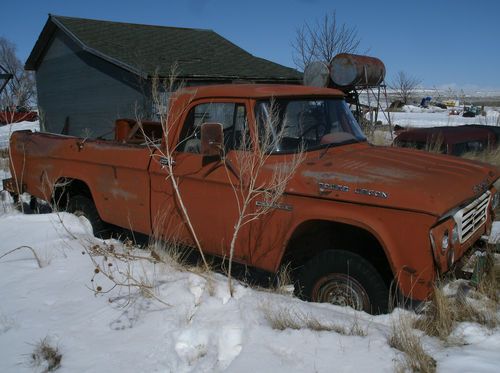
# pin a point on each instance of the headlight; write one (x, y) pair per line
(495, 200)
(445, 242)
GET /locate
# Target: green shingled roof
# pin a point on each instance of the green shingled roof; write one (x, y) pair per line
(145, 49)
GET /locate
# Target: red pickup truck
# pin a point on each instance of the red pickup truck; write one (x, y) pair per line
(353, 219)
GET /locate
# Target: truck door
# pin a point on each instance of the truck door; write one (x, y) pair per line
(204, 184)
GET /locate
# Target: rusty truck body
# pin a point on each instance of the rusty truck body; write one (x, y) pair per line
(354, 219)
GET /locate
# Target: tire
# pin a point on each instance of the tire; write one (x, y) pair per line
(84, 206)
(345, 279)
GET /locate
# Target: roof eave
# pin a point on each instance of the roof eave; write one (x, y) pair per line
(46, 35)
(234, 77)
(95, 52)
(43, 39)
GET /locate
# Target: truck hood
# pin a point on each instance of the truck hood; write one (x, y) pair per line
(393, 177)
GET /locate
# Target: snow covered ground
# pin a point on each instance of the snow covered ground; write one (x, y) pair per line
(414, 116)
(189, 325)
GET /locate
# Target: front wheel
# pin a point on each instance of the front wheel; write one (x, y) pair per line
(84, 206)
(343, 278)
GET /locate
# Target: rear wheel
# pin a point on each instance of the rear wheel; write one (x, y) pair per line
(84, 206)
(343, 278)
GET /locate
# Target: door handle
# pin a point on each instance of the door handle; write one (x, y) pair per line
(166, 161)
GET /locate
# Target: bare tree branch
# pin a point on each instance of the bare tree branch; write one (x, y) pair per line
(253, 182)
(20, 92)
(323, 40)
(404, 86)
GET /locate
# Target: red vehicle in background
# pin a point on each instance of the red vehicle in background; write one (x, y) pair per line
(7, 117)
(450, 140)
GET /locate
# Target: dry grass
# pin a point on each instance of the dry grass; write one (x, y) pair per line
(172, 253)
(46, 356)
(489, 284)
(379, 137)
(491, 156)
(482, 312)
(438, 320)
(283, 281)
(444, 312)
(404, 339)
(285, 318)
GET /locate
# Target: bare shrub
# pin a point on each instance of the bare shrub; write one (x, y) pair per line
(404, 339)
(118, 267)
(20, 92)
(244, 172)
(252, 185)
(46, 356)
(159, 88)
(404, 86)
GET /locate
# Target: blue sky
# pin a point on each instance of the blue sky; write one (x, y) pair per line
(441, 42)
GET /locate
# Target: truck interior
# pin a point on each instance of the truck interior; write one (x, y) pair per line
(131, 131)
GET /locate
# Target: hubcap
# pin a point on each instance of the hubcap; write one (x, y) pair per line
(341, 290)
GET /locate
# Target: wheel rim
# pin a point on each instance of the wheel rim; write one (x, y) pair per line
(342, 290)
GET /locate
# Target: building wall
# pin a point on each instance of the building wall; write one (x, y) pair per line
(88, 93)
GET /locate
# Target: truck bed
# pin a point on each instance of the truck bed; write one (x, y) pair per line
(115, 173)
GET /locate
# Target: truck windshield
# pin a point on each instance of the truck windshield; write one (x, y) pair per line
(287, 125)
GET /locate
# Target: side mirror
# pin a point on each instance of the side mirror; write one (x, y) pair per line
(212, 139)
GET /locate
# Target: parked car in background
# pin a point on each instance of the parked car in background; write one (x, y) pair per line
(455, 140)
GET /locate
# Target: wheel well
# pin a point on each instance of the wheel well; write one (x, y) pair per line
(65, 188)
(312, 237)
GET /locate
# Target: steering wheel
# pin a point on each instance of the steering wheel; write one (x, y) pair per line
(315, 127)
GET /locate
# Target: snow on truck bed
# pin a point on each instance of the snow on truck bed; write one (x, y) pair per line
(201, 330)
(7, 129)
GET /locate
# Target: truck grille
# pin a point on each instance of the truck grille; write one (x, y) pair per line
(472, 217)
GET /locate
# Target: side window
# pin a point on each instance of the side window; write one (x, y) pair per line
(232, 116)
